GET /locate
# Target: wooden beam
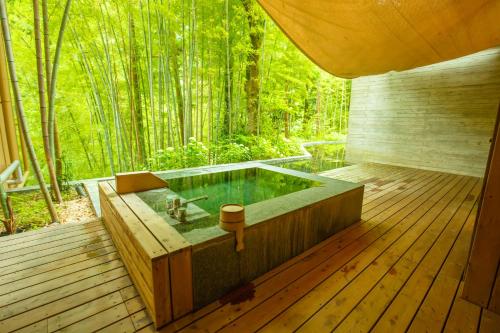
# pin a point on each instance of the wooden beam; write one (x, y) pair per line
(8, 117)
(484, 256)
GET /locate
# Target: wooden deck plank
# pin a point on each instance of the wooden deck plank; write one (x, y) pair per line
(413, 270)
(302, 284)
(61, 246)
(398, 184)
(373, 202)
(141, 319)
(102, 249)
(122, 326)
(490, 322)
(128, 293)
(83, 311)
(87, 248)
(394, 200)
(134, 305)
(44, 287)
(412, 224)
(73, 300)
(57, 273)
(39, 327)
(415, 222)
(464, 316)
(42, 233)
(99, 320)
(49, 239)
(63, 291)
(432, 314)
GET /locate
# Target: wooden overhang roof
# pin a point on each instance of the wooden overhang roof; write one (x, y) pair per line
(365, 37)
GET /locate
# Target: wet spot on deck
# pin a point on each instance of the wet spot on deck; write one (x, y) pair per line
(308, 257)
(329, 320)
(470, 197)
(94, 240)
(347, 268)
(369, 180)
(240, 295)
(383, 182)
(340, 301)
(394, 320)
(92, 254)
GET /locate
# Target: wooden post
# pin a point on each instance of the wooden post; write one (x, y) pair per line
(8, 118)
(482, 281)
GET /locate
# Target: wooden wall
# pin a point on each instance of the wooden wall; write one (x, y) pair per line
(438, 117)
(482, 279)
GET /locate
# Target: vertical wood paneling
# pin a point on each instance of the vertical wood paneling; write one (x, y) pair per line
(482, 283)
(437, 117)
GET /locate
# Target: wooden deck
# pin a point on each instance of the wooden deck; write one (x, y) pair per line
(398, 269)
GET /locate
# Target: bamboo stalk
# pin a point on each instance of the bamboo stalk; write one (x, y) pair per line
(135, 105)
(43, 104)
(53, 78)
(20, 112)
(98, 105)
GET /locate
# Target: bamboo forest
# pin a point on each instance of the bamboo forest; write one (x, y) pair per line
(167, 84)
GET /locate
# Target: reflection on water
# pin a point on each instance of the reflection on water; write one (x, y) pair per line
(243, 186)
(324, 157)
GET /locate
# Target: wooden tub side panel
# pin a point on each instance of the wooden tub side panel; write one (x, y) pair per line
(179, 253)
(146, 260)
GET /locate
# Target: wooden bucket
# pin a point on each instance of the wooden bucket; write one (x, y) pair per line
(232, 219)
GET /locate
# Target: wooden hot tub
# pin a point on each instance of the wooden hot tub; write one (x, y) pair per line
(178, 267)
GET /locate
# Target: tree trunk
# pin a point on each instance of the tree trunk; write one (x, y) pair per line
(58, 153)
(252, 85)
(46, 46)
(228, 75)
(210, 117)
(48, 77)
(20, 113)
(318, 108)
(43, 105)
(228, 92)
(178, 88)
(149, 55)
(307, 112)
(188, 121)
(53, 77)
(135, 103)
(341, 117)
(287, 124)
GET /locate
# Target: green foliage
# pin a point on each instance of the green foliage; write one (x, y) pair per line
(262, 148)
(100, 126)
(67, 174)
(196, 154)
(233, 152)
(192, 155)
(29, 208)
(241, 149)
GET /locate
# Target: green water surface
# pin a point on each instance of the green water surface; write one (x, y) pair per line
(242, 186)
(324, 157)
